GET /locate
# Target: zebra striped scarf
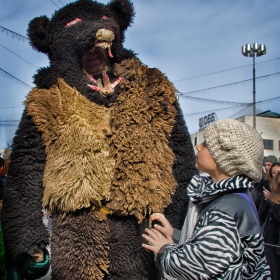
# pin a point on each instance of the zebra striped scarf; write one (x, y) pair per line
(202, 190)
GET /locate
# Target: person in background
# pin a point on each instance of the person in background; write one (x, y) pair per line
(2, 178)
(2, 166)
(271, 228)
(258, 194)
(275, 168)
(221, 237)
(3, 271)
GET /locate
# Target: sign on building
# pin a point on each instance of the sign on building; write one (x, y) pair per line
(206, 120)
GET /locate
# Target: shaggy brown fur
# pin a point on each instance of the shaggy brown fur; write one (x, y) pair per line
(79, 166)
(142, 122)
(82, 231)
(139, 158)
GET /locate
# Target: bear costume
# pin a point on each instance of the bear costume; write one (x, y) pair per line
(100, 152)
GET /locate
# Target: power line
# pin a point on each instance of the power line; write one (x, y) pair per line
(232, 107)
(209, 111)
(18, 56)
(199, 76)
(230, 84)
(23, 38)
(60, 2)
(233, 116)
(268, 100)
(14, 78)
(10, 107)
(55, 4)
(219, 102)
(9, 123)
(14, 34)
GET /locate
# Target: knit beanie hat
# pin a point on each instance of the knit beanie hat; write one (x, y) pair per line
(236, 147)
(271, 159)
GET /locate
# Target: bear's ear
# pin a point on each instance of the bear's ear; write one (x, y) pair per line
(124, 11)
(37, 33)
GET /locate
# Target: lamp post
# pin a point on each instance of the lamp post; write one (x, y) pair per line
(250, 51)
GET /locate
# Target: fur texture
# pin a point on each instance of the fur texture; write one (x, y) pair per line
(83, 172)
(101, 164)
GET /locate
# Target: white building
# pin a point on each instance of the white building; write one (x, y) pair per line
(267, 123)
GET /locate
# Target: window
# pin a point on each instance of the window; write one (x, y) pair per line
(195, 141)
(268, 144)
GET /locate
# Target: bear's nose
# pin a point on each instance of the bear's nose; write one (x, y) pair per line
(105, 35)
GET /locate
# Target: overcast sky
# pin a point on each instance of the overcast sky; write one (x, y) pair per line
(196, 43)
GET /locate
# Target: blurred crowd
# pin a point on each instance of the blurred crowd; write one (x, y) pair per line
(266, 196)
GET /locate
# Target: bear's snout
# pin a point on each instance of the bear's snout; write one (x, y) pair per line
(105, 35)
(104, 39)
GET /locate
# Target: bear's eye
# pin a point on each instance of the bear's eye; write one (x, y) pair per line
(104, 17)
(76, 20)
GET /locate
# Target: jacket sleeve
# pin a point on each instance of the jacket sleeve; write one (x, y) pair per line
(210, 252)
(276, 211)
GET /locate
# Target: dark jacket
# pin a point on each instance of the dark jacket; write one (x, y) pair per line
(271, 232)
(258, 197)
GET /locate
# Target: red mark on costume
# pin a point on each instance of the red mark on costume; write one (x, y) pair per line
(114, 84)
(90, 76)
(109, 52)
(73, 21)
(93, 87)
(104, 17)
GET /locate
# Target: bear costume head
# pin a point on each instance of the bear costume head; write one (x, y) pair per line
(75, 30)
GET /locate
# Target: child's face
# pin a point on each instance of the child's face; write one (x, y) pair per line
(204, 160)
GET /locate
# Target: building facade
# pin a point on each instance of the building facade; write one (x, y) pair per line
(267, 123)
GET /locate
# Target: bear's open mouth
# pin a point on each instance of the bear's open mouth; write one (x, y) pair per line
(104, 45)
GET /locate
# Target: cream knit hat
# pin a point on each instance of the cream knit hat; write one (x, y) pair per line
(236, 147)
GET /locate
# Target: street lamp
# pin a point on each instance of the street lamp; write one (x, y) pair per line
(250, 51)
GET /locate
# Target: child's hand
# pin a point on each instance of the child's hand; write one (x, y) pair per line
(156, 240)
(165, 228)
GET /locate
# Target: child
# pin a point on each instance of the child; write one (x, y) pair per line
(221, 237)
